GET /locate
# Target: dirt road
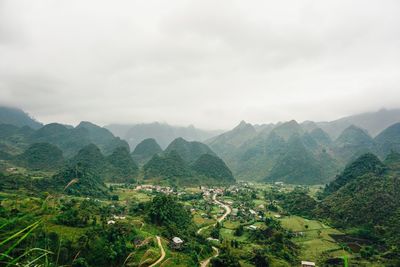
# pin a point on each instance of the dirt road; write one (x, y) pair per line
(207, 261)
(228, 209)
(162, 252)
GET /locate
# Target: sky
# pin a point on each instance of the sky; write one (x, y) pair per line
(207, 63)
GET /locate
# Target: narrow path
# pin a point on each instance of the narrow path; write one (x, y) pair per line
(207, 261)
(162, 252)
(228, 210)
(204, 228)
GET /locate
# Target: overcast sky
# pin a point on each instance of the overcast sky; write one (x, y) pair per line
(207, 63)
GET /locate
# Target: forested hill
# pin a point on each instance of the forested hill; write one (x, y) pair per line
(189, 151)
(298, 153)
(14, 140)
(373, 122)
(17, 117)
(365, 164)
(188, 163)
(163, 133)
(366, 196)
(145, 150)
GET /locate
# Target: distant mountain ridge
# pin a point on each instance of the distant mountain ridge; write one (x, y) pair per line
(267, 154)
(17, 117)
(372, 122)
(301, 153)
(188, 162)
(366, 196)
(189, 151)
(145, 150)
(163, 133)
(14, 140)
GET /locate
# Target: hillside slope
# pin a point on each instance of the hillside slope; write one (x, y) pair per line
(145, 150)
(368, 198)
(17, 117)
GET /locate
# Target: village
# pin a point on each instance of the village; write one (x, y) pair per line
(222, 214)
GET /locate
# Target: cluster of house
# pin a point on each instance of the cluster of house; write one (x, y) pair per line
(155, 188)
(12, 170)
(115, 217)
(211, 191)
(243, 212)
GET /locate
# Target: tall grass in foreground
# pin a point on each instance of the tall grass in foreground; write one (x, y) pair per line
(8, 246)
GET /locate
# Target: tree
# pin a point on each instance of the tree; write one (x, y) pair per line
(225, 259)
(239, 231)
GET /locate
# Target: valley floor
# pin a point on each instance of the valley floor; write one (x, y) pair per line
(228, 209)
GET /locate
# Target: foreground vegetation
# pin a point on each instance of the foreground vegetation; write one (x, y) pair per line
(121, 229)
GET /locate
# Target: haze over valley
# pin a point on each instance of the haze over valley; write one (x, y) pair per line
(199, 133)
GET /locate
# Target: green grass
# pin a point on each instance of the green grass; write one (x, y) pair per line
(200, 221)
(66, 232)
(127, 194)
(231, 224)
(316, 239)
(296, 223)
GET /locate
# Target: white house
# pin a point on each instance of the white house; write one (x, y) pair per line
(307, 264)
(177, 242)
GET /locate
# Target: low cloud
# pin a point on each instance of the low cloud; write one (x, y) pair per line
(206, 63)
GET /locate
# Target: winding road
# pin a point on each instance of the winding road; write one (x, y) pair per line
(228, 210)
(162, 252)
(207, 261)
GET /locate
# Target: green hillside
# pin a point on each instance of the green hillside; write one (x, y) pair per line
(321, 137)
(15, 140)
(213, 167)
(17, 117)
(41, 156)
(296, 166)
(122, 167)
(367, 163)
(167, 166)
(145, 150)
(89, 158)
(367, 198)
(287, 129)
(388, 140)
(79, 181)
(225, 143)
(188, 151)
(353, 142)
(102, 137)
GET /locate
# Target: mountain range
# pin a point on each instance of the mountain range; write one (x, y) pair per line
(365, 197)
(163, 133)
(96, 156)
(186, 162)
(301, 153)
(292, 152)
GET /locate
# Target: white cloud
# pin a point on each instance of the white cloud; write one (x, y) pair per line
(210, 63)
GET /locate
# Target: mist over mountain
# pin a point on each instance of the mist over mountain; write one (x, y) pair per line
(188, 151)
(163, 133)
(17, 117)
(41, 156)
(388, 140)
(184, 162)
(145, 150)
(373, 122)
(252, 152)
(271, 153)
(365, 195)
